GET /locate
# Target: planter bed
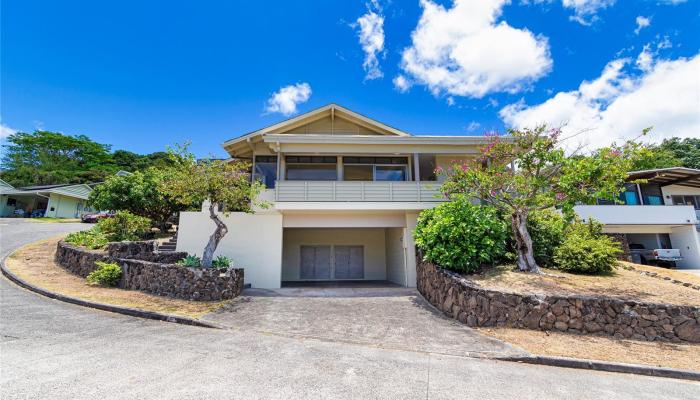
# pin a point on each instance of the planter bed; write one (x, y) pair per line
(475, 303)
(146, 269)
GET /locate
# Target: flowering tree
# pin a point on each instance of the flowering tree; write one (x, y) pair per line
(528, 170)
(216, 181)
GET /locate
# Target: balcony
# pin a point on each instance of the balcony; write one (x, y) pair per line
(349, 191)
(639, 215)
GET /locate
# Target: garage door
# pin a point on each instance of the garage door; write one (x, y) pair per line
(315, 262)
(349, 262)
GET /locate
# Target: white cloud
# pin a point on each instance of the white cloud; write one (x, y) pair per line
(473, 126)
(617, 105)
(585, 11)
(6, 131)
(401, 83)
(285, 100)
(467, 51)
(642, 22)
(371, 37)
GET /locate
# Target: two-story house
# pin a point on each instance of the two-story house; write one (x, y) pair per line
(345, 192)
(662, 213)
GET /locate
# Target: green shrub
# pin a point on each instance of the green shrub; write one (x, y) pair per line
(587, 250)
(191, 261)
(461, 236)
(92, 239)
(546, 229)
(106, 274)
(221, 262)
(125, 226)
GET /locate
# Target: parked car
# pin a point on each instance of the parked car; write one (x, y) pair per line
(92, 218)
(38, 213)
(18, 213)
(660, 257)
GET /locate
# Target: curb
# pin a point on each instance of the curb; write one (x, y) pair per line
(605, 366)
(133, 312)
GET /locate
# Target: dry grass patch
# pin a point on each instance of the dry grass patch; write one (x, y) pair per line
(683, 356)
(622, 284)
(35, 264)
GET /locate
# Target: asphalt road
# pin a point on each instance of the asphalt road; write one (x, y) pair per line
(54, 350)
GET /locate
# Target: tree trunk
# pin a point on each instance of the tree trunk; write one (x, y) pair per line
(523, 243)
(215, 238)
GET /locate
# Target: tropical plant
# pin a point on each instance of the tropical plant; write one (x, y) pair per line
(106, 274)
(546, 229)
(461, 236)
(221, 262)
(139, 193)
(124, 226)
(587, 250)
(190, 261)
(92, 239)
(530, 171)
(218, 182)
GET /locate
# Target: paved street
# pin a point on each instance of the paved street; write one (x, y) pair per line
(54, 350)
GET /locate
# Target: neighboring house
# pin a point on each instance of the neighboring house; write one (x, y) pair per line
(662, 213)
(58, 201)
(344, 191)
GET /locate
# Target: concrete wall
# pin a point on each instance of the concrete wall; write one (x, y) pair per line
(371, 239)
(686, 239)
(410, 246)
(254, 242)
(395, 264)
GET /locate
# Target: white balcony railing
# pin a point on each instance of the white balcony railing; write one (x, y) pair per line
(639, 215)
(358, 191)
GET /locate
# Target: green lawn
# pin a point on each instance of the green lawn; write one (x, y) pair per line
(51, 219)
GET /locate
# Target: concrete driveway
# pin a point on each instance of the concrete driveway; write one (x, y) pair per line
(390, 318)
(54, 350)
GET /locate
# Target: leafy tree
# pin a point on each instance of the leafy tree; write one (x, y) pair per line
(542, 176)
(654, 157)
(216, 181)
(686, 150)
(130, 161)
(139, 193)
(45, 157)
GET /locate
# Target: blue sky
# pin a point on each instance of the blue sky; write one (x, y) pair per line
(141, 75)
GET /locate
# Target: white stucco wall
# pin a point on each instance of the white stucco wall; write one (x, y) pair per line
(677, 190)
(687, 240)
(371, 239)
(395, 266)
(254, 242)
(410, 245)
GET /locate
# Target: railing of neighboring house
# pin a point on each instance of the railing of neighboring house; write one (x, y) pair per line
(358, 191)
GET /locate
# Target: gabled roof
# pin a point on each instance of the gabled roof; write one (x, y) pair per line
(79, 191)
(669, 176)
(4, 185)
(331, 110)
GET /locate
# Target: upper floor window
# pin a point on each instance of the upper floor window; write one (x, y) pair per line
(375, 168)
(689, 200)
(651, 194)
(312, 168)
(266, 170)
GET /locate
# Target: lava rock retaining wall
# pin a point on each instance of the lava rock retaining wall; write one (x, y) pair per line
(147, 270)
(464, 301)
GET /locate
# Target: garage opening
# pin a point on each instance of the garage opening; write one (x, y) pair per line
(373, 256)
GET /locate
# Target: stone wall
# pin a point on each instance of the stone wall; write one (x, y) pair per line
(180, 282)
(143, 250)
(464, 301)
(147, 270)
(78, 260)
